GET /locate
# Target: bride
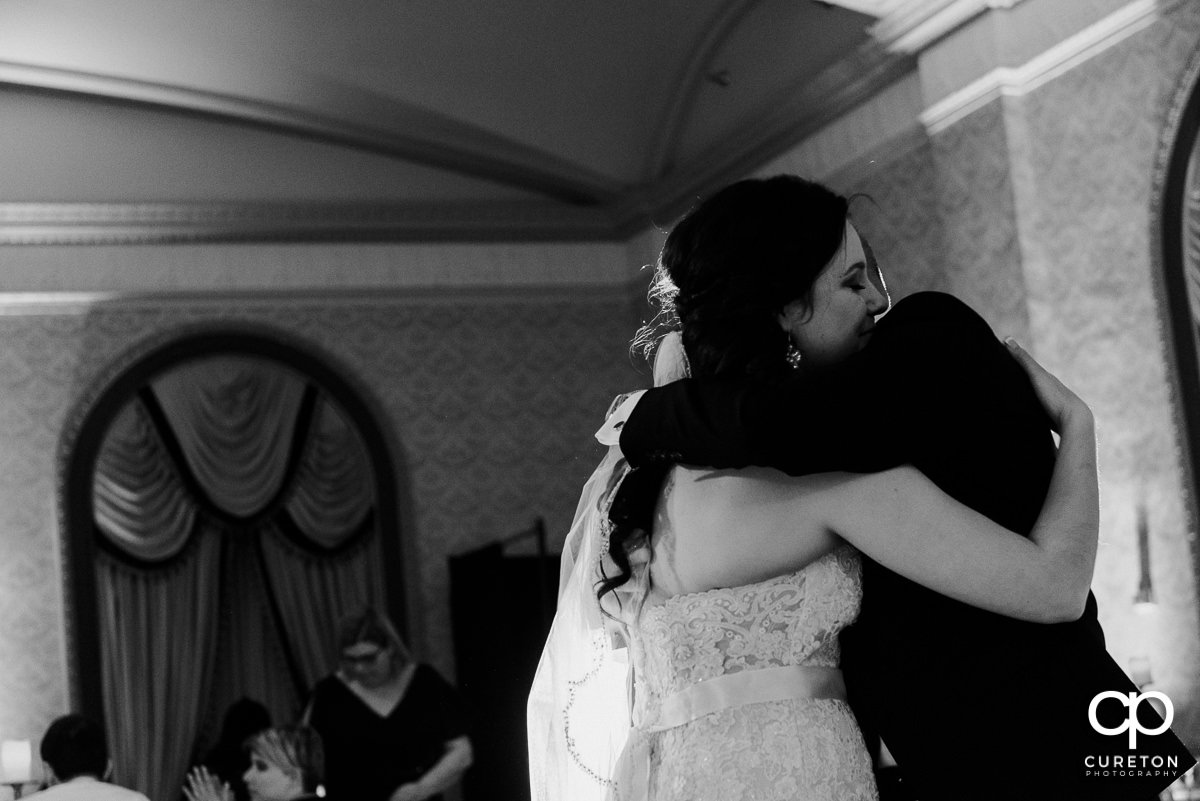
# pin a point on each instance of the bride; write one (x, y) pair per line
(695, 649)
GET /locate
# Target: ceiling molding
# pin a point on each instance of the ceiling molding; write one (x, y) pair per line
(20, 304)
(579, 205)
(872, 8)
(349, 116)
(690, 80)
(167, 223)
(909, 26)
(784, 121)
(1059, 59)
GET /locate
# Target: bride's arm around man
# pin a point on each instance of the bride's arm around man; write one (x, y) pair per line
(946, 685)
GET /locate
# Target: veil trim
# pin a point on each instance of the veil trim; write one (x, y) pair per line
(580, 709)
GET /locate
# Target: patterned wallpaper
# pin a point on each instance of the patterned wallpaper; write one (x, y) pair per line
(491, 400)
(1094, 136)
(942, 217)
(329, 266)
(1037, 211)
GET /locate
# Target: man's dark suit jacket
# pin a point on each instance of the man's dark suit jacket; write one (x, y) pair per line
(972, 704)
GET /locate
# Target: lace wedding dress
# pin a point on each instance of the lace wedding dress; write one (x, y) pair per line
(735, 692)
(751, 673)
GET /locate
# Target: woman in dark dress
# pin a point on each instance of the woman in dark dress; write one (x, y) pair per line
(394, 730)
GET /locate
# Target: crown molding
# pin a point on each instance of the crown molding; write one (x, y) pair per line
(33, 304)
(578, 207)
(909, 26)
(872, 8)
(785, 121)
(1062, 58)
(195, 222)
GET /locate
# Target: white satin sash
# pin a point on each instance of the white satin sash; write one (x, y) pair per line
(713, 695)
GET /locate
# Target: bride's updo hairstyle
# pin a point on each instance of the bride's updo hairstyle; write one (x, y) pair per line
(730, 266)
(724, 275)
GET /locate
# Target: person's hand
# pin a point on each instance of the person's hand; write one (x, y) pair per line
(203, 786)
(1060, 403)
(407, 792)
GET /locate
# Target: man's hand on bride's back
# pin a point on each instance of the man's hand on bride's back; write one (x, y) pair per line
(1061, 404)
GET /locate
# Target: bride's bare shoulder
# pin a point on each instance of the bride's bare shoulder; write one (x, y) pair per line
(716, 528)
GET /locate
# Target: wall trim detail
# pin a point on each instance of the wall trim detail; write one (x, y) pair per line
(1176, 324)
(909, 26)
(1058, 60)
(180, 222)
(580, 207)
(18, 304)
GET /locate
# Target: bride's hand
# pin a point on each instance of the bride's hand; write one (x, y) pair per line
(1060, 403)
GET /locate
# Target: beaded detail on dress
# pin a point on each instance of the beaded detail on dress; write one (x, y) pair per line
(801, 748)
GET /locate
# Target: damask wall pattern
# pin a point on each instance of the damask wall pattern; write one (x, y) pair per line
(898, 214)
(491, 399)
(1037, 210)
(942, 217)
(1094, 138)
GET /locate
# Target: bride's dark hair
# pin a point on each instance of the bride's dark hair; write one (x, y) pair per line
(730, 266)
(726, 272)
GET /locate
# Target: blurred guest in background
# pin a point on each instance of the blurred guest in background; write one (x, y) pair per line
(75, 754)
(229, 759)
(394, 729)
(286, 764)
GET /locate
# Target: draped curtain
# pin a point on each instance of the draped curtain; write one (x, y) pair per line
(233, 503)
(157, 630)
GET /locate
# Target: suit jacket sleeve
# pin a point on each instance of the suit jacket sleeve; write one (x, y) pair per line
(932, 368)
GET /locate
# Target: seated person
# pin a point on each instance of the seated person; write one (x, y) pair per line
(75, 755)
(229, 759)
(287, 763)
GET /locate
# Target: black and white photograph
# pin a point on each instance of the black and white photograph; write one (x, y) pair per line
(624, 400)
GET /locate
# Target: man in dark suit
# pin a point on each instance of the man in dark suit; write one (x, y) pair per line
(972, 704)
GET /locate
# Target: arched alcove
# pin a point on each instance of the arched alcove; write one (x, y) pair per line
(1176, 240)
(130, 389)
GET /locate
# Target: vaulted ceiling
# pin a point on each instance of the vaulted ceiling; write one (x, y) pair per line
(393, 119)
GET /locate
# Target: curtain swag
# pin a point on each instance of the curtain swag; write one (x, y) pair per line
(237, 424)
(235, 504)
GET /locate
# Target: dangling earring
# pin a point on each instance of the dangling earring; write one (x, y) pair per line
(792, 356)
